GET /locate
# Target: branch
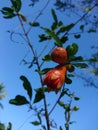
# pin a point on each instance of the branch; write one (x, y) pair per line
(66, 33)
(37, 63)
(40, 13)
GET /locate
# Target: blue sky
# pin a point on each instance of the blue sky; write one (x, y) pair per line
(11, 55)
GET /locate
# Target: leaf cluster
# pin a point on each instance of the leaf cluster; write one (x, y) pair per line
(10, 12)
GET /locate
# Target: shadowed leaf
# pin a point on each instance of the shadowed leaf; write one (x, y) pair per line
(47, 58)
(72, 49)
(9, 126)
(19, 100)
(39, 95)
(16, 4)
(27, 86)
(80, 65)
(36, 123)
(54, 16)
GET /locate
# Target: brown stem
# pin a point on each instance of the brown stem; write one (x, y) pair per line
(37, 63)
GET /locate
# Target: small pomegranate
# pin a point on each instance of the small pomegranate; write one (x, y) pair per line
(55, 78)
(59, 55)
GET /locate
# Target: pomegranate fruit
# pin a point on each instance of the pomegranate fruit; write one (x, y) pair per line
(59, 55)
(55, 78)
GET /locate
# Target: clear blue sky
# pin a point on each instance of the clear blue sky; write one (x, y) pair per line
(11, 55)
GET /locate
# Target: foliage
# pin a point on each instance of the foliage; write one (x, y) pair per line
(58, 34)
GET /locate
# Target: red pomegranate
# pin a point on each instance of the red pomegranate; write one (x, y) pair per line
(55, 78)
(59, 55)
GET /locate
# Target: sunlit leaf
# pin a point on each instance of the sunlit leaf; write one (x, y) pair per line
(27, 86)
(19, 100)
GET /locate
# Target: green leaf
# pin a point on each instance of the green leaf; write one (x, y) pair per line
(76, 108)
(72, 49)
(34, 24)
(44, 71)
(80, 65)
(7, 9)
(76, 58)
(61, 103)
(67, 107)
(65, 28)
(22, 17)
(60, 128)
(54, 16)
(47, 58)
(36, 123)
(64, 39)
(8, 12)
(93, 60)
(91, 31)
(77, 36)
(44, 127)
(68, 80)
(43, 37)
(82, 27)
(60, 23)
(2, 126)
(39, 95)
(16, 4)
(9, 126)
(19, 100)
(76, 98)
(27, 86)
(54, 36)
(54, 26)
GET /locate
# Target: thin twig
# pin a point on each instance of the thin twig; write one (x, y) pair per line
(66, 33)
(40, 13)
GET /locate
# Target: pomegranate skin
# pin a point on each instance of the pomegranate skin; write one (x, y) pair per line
(59, 55)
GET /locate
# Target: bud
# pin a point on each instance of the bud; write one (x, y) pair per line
(55, 78)
(59, 55)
